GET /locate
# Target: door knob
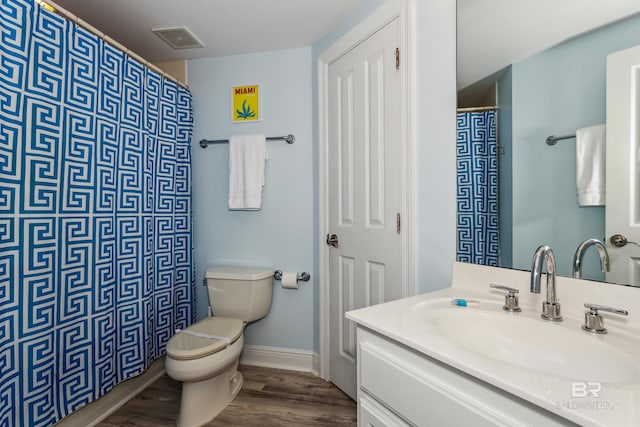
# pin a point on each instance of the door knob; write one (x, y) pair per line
(619, 240)
(332, 240)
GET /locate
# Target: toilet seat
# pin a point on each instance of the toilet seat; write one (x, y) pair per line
(183, 346)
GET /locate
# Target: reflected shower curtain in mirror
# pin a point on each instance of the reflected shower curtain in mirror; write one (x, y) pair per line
(477, 188)
(95, 215)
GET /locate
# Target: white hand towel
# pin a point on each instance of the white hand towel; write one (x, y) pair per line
(247, 156)
(590, 165)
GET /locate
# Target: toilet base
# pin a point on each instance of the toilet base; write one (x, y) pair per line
(202, 400)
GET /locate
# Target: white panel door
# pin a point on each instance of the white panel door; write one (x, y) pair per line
(623, 168)
(365, 182)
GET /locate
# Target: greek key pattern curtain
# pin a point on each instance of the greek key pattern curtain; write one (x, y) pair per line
(95, 215)
(477, 193)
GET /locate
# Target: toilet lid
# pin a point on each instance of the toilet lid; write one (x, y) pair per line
(183, 346)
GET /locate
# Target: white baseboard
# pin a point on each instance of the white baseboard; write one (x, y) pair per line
(315, 365)
(281, 358)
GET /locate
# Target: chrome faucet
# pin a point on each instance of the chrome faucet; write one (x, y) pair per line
(550, 307)
(582, 248)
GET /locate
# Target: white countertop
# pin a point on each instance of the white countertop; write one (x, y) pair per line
(617, 405)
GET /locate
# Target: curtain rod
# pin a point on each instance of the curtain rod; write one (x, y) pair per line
(55, 8)
(472, 109)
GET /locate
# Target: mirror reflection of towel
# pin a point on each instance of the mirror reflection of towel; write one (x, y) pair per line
(247, 156)
(590, 165)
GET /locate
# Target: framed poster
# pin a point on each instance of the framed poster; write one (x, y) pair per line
(245, 104)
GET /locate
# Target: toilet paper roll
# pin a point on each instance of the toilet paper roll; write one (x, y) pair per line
(289, 280)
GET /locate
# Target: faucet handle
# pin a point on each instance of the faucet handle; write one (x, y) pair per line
(510, 300)
(504, 288)
(593, 322)
(595, 307)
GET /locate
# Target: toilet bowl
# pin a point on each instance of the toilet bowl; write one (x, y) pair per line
(205, 356)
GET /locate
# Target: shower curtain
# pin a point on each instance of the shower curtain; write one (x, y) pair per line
(477, 189)
(95, 215)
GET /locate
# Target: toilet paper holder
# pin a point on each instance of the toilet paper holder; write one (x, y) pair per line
(302, 277)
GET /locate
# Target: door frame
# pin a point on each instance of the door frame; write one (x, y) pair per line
(620, 130)
(403, 10)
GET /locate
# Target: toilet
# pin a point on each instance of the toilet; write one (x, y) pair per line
(205, 356)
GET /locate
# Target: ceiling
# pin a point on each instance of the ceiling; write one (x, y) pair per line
(491, 33)
(226, 27)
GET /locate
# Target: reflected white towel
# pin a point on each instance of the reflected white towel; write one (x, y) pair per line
(247, 156)
(590, 165)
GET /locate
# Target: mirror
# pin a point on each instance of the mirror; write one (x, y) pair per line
(545, 68)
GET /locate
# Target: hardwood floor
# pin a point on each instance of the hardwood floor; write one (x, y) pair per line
(269, 397)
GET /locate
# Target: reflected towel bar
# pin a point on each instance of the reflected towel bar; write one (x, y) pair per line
(204, 143)
(552, 140)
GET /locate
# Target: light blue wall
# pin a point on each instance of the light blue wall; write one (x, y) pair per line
(364, 9)
(557, 92)
(284, 234)
(280, 235)
(435, 127)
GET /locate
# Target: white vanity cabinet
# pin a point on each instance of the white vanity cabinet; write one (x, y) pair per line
(423, 361)
(398, 386)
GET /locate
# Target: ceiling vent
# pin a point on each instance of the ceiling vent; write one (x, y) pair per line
(178, 38)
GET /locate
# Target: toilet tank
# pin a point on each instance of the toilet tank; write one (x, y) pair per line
(240, 292)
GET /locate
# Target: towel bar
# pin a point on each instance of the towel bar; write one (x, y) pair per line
(290, 139)
(552, 140)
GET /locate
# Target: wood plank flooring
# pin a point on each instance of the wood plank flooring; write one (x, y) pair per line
(269, 397)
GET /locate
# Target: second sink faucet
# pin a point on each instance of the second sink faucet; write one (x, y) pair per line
(550, 307)
(582, 248)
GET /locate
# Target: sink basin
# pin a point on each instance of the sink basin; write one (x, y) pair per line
(525, 340)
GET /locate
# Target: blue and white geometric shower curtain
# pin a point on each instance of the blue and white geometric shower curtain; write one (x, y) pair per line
(95, 215)
(477, 190)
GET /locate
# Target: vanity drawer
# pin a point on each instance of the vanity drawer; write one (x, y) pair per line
(425, 392)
